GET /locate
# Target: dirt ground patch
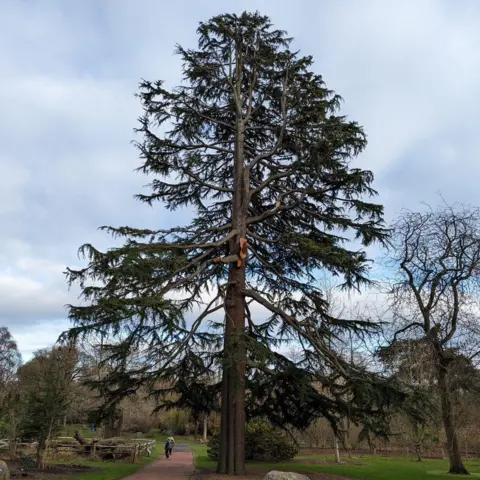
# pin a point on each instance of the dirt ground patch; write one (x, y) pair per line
(257, 473)
(55, 472)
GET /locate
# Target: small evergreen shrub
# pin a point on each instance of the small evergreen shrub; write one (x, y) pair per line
(263, 442)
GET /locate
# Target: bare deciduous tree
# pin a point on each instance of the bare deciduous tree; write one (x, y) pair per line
(434, 297)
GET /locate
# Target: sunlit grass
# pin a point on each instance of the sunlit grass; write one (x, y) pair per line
(114, 470)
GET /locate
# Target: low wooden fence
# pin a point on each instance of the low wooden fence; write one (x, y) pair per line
(433, 453)
(133, 448)
(19, 445)
(59, 447)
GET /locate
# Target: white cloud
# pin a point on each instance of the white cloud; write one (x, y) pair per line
(33, 289)
(409, 71)
(40, 335)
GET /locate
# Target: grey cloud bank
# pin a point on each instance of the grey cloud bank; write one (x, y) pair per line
(409, 71)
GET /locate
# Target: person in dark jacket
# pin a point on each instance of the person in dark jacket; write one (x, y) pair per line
(168, 448)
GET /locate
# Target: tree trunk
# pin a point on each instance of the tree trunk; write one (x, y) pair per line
(453, 447)
(337, 449)
(418, 451)
(347, 437)
(12, 445)
(232, 429)
(205, 427)
(223, 460)
(114, 425)
(41, 454)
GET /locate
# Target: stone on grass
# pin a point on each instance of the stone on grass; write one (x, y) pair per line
(4, 471)
(276, 475)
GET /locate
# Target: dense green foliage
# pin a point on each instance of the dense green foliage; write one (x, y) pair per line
(263, 443)
(46, 382)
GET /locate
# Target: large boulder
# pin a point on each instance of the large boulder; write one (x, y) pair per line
(276, 475)
(4, 471)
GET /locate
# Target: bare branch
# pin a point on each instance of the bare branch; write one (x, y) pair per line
(228, 259)
(408, 327)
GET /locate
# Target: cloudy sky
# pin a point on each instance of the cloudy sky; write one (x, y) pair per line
(409, 71)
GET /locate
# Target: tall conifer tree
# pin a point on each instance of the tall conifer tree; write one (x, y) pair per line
(253, 145)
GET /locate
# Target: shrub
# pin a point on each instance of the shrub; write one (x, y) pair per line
(3, 428)
(175, 422)
(263, 442)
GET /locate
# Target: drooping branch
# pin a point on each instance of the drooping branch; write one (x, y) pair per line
(262, 239)
(205, 184)
(271, 179)
(308, 334)
(273, 151)
(195, 326)
(187, 246)
(186, 147)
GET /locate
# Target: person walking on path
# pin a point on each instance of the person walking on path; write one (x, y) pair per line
(172, 441)
(168, 448)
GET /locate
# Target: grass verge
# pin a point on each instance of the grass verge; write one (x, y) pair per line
(114, 470)
(359, 468)
(200, 458)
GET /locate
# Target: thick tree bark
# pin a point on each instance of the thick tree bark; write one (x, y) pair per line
(114, 425)
(232, 429)
(223, 460)
(453, 447)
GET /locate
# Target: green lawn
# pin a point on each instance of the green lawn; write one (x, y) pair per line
(115, 470)
(110, 470)
(371, 468)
